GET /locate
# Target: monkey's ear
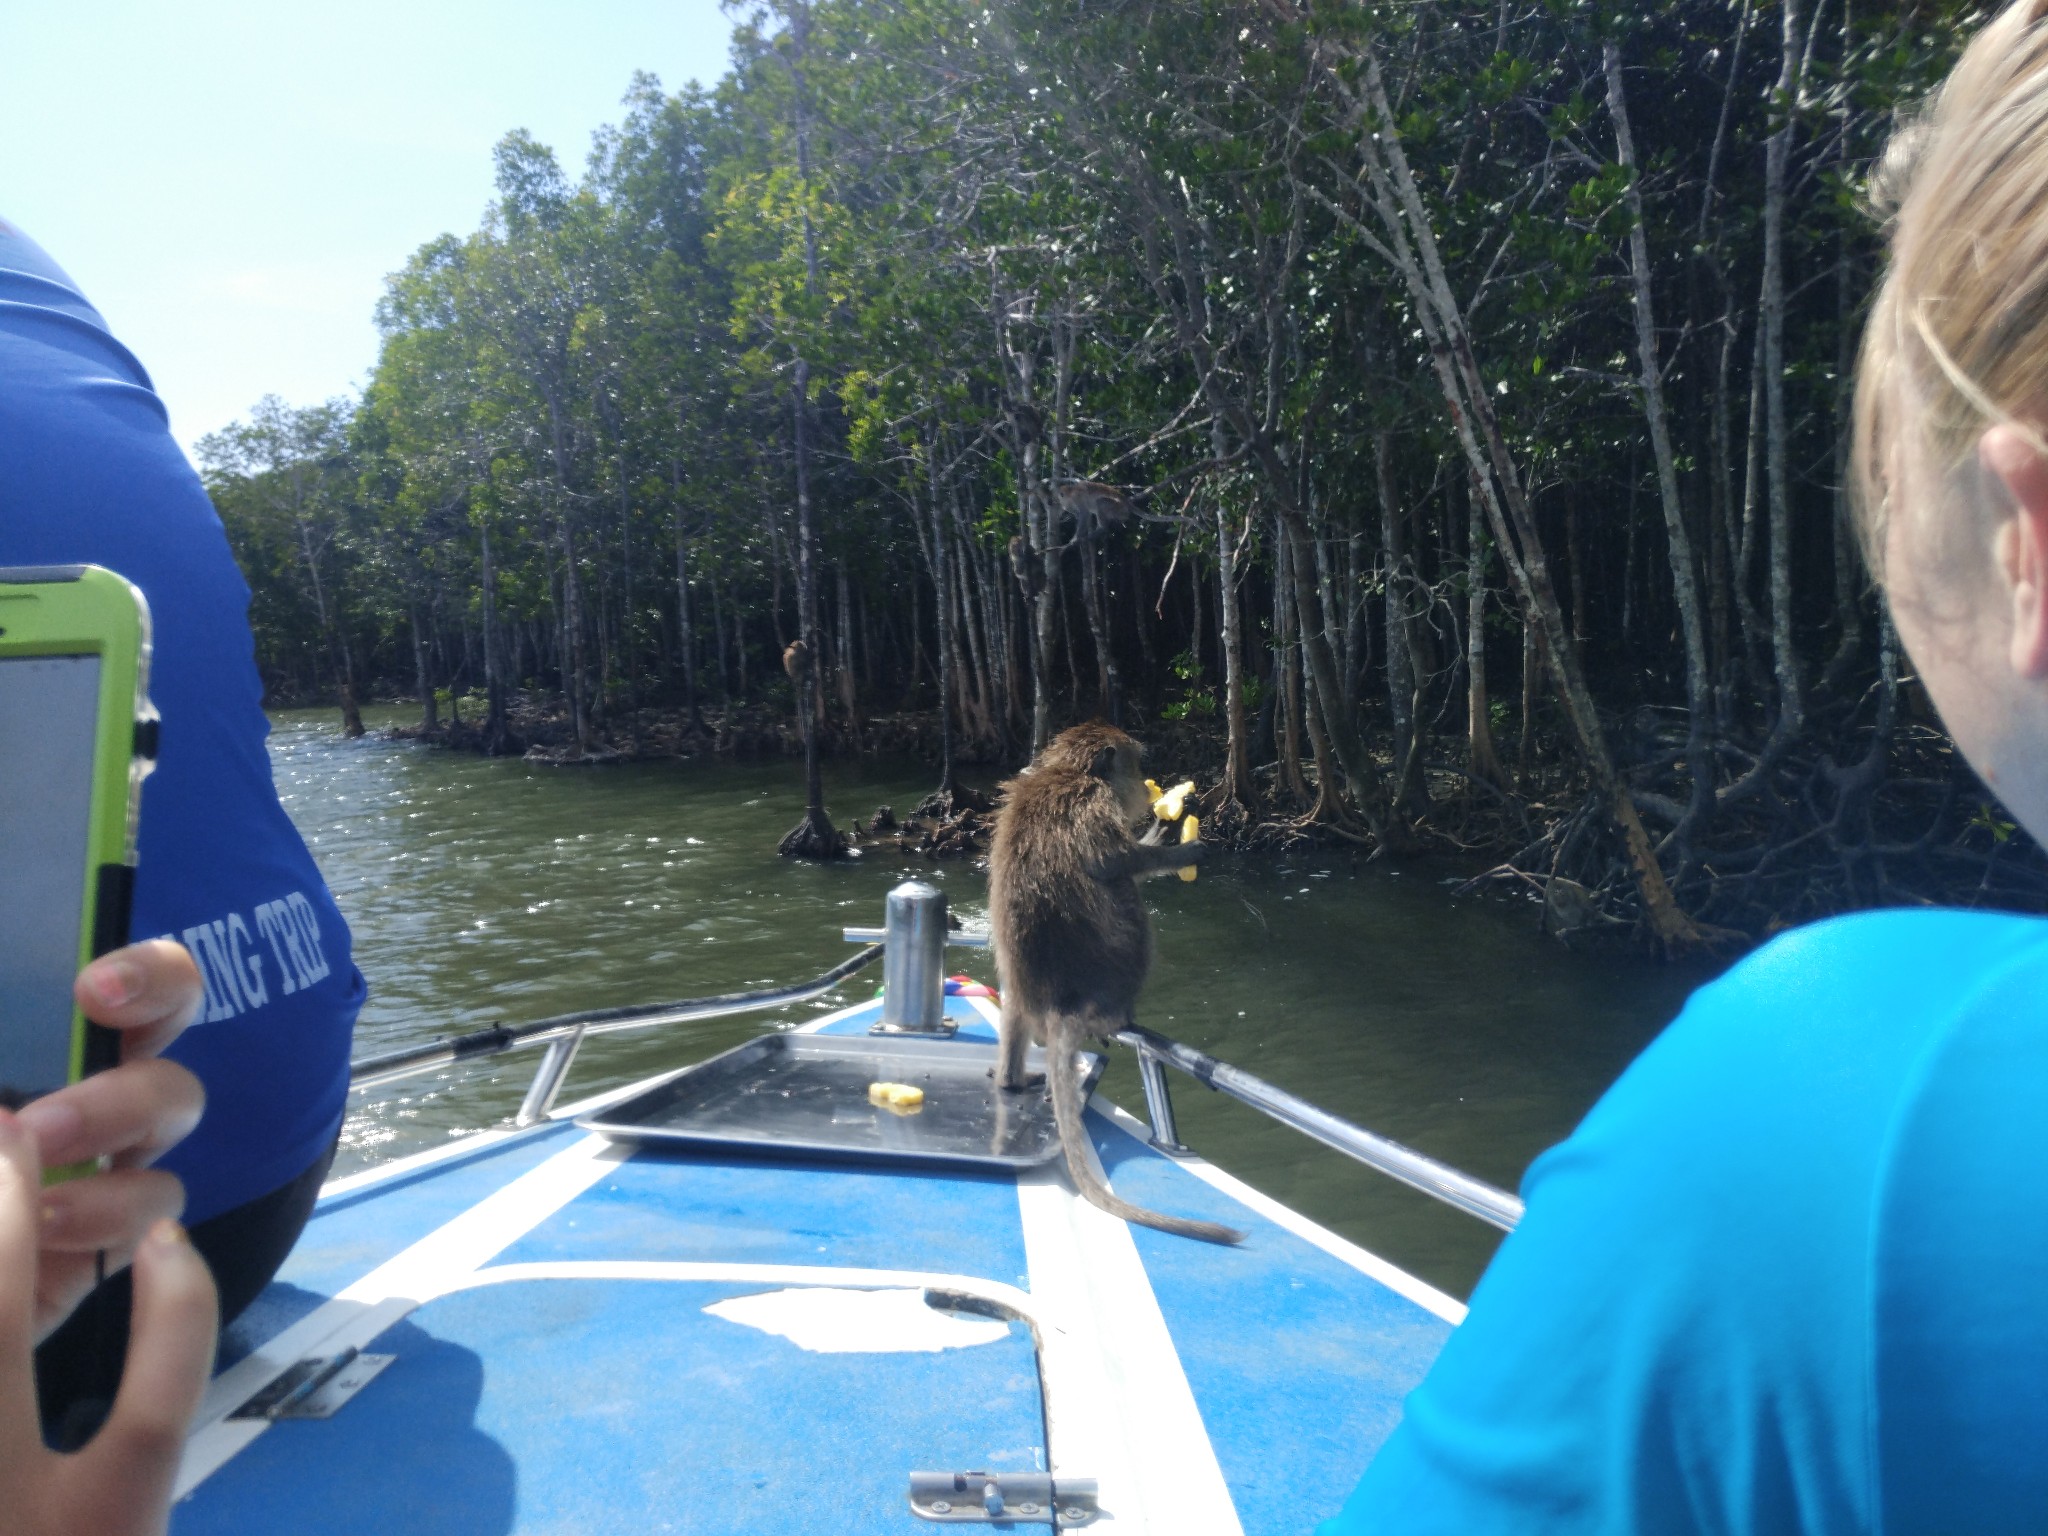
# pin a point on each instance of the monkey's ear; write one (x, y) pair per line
(1103, 766)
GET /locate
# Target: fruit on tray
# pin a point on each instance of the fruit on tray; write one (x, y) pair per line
(903, 1098)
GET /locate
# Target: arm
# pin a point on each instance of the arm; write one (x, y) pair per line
(1141, 860)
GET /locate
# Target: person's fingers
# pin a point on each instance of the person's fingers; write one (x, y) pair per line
(20, 1180)
(130, 1466)
(134, 1112)
(63, 1280)
(149, 991)
(111, 1210)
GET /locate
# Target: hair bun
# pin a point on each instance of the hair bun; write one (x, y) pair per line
(1891, 177)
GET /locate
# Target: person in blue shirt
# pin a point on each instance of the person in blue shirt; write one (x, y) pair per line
(1791, 1274)
(89, 472)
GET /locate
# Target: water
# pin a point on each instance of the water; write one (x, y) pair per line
(487, 890)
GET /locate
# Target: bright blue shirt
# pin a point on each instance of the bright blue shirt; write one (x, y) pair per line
(89, 472)
(1790, 1275)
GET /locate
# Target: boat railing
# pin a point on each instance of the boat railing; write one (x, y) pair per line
(912, 946)
(565, 1034)
(1441, 1181)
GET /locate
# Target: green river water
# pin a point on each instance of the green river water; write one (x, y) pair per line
(485, 890)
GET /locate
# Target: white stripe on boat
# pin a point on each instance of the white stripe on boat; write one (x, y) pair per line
(461, 1147)
(1118, 1406)
(429, 1268)
(1364, 1260)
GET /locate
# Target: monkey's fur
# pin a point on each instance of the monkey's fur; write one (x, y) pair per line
(1071, 937)
(1090, 501)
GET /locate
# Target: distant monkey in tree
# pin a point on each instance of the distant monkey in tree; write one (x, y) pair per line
(796, 660)
(1071, 936)
(1029, 577)
(1092, 504)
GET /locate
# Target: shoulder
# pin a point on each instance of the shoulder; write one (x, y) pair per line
(1063, 793)
(1801, 1213)
(1801, 1054)
(1884, 949)
(1874, 986)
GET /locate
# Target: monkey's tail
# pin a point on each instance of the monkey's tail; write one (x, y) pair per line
(1064, 1085)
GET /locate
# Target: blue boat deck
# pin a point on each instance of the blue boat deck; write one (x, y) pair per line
(592, 1336)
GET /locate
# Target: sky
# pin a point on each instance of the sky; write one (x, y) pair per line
(230, 181)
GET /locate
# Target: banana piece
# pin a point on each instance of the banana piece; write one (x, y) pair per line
(1190, 830)
(900, 1098)
(1167, 805)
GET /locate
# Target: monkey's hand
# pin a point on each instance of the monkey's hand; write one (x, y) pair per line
(1142, 860)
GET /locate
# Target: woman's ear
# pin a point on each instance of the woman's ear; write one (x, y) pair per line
(2015, 456)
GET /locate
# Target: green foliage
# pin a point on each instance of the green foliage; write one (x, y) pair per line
(1019, 246)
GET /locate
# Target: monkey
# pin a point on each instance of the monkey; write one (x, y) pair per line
(1090, 501)
(1071, 937)
(1029, 576)
(796, 660)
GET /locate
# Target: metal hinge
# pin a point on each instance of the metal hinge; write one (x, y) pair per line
(985, 1497)
(316, 1387)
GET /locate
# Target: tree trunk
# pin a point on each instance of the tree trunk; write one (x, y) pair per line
(330, 631)
(1409, 799)
(813, 837)
(942, 579)
(423, 683)
(1237, 763)
(849, 693)
(575, 669)
(686, 637)
(1481, 760)
(497, 731)
(1678, 542)
(1411, 245)
(1287, 644)
(1098, 629)
(1771, 309)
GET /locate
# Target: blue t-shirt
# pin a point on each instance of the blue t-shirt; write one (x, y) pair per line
(89, 473)
(1790, 1275)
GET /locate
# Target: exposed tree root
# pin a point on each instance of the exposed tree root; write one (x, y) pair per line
(814, 837)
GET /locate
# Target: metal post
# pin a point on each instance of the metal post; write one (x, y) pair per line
(913, 964)
(547, 1078)
(1158, 1102)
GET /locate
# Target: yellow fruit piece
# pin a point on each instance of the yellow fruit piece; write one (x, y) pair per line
(903, 1098)
(1152, 788)
(1190, 831)
(1168, 806)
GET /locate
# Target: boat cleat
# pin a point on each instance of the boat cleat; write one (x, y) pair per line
(983, 1498)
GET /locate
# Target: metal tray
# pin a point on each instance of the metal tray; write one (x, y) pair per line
(808, 1095)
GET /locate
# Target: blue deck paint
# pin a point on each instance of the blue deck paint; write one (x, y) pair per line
(1298, 1362)
(351, 1234)
(588, 1405)
(574, 1407)
(670, 1204)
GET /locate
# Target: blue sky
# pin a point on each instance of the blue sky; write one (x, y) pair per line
(229, 181)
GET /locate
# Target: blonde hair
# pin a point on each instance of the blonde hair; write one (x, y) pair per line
(1958, 333)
